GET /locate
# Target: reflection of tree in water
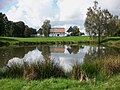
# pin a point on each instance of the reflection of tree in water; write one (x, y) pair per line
(9, 53)
(98, 53)
(45, 52)
(74, 49)
(112, 51)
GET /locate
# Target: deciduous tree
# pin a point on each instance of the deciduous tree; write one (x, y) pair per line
(46, 28)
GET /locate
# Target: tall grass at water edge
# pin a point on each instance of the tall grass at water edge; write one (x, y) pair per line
(39, 70)
(98, 69)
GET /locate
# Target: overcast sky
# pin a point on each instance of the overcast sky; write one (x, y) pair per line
(60, 12)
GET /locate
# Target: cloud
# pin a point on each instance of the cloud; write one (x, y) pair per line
(60, 12)
(32, 12)
(112, 5)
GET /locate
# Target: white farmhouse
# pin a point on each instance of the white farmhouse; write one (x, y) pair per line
(57, 32)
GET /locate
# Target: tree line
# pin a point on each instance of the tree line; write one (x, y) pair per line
(14, 29)
(19, 29)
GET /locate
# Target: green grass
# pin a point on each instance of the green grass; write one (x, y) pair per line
(45, 39)
(60, 84)
(59, 40)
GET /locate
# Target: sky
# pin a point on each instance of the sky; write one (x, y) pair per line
(61, 13)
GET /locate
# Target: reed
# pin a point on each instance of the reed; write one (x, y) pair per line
(39, 70)
(99, 69)
(15, 70)
(48, 69)
(90, 69)
(112, 65)
(1, 73)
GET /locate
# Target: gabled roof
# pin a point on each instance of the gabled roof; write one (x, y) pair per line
(70, 29)
(57, 30)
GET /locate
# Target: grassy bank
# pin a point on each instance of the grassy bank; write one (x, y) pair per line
(57, 40)
(45, 39)
(112, 41)
(60, 84)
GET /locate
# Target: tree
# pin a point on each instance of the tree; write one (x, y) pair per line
(3, 21)
(29, 31)
(75, 31)
(9, 29)
(20, 28)
(98, 22)
(117, 33)
(40, 31)
(46, 28)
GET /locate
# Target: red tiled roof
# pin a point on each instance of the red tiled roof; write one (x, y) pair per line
(57, 30)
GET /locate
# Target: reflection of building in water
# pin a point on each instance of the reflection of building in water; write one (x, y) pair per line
(57, 49)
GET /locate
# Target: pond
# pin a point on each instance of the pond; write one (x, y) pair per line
(66, 55)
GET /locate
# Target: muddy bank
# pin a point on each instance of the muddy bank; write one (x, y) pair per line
(49, 43)
(44, 43)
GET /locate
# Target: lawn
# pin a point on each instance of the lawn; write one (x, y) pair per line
(58, 40)
(60, 84)
(45, 39)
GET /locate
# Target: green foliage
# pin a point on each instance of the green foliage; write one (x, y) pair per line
(40, 31)
(75, 31)
(29, 31)
(46, 28)
(14, 29)
(3, 22)
(100, 22)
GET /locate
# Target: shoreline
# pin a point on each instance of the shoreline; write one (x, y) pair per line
(9, 41)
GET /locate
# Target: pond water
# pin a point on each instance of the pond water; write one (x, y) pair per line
(65, 55)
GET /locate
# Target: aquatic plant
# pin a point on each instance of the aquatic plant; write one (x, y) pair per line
(99, 69)
(112, 65)
(15, 70)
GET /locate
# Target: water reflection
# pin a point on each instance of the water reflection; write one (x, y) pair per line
(66, 55)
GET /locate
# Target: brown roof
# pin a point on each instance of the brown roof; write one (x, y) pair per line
(57, 30)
